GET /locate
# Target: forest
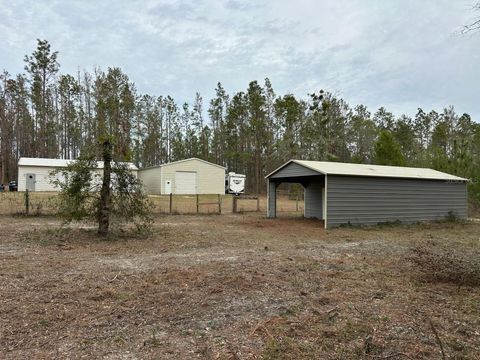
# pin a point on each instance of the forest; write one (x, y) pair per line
(44, 113)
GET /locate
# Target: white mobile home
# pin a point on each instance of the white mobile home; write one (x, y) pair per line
(189, 176)
(34, 173)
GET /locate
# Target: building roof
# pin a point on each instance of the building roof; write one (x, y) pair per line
(59, 163)
(184, 160)
(347, 169)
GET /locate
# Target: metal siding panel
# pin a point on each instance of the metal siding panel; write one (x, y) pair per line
(361, 200)
(151, 180)
(22, 181)
(210, 178)
(293, 170)
(313, 200)
(272, 199)
(42, 178)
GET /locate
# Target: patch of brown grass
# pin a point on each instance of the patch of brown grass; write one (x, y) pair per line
(459, 265)
(230, 287)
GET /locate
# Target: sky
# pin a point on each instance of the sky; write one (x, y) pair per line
(400, 54)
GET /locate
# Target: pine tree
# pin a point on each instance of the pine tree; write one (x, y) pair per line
(384, 119)
(42, 66)
(387, 150)
(362, 133)
(404, 135)
(289, 114)
(257, 129)
(217, 113)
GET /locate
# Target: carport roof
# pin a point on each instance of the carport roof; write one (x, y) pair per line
(348, 169)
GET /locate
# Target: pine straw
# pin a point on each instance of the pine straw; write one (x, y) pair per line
(436, 262)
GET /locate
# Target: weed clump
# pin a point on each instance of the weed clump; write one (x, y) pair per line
(447, 263)
(452, 217)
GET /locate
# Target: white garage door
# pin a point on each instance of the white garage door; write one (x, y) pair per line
(185, 182)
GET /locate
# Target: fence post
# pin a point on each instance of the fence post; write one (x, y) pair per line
(219, 204)
(171, 203)
(27, 202)
(296, 204)
(234, 204)
(197, 205)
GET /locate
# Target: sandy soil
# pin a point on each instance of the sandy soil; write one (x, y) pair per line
(229, 287)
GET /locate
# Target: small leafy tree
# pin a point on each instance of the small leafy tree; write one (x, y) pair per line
(113, 196)
(77, 184)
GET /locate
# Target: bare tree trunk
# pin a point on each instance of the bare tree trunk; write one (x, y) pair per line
(104, 210)
(257, 171)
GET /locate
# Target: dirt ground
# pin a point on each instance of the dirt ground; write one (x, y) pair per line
(230, 287)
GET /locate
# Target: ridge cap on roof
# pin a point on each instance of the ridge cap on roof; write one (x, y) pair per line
(182, 160)
(416, 172)
(53, 162)
(376, 165)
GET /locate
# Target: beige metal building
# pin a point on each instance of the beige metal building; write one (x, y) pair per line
(189, 176)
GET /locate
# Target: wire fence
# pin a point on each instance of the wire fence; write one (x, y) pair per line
(30, 203)
(44, 203)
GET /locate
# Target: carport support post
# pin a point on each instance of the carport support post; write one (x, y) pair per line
(271, 199)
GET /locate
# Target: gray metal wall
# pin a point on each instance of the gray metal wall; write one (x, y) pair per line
(314, 200)
(368, 200)
(294, 170)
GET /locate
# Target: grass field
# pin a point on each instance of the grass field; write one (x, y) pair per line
(231, 287)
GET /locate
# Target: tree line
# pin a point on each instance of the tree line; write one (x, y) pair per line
(44, 113)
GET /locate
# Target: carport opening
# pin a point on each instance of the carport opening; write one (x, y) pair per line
(290, 200)
(314, 201)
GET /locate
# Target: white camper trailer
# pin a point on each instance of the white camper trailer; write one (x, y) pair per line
(234, 183)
